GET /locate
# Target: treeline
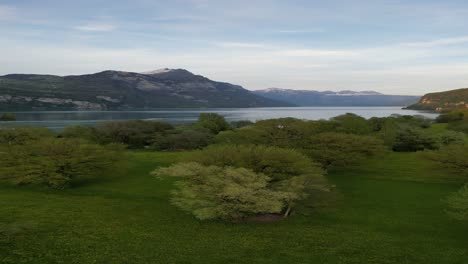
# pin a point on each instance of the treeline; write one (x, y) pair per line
(237, 169)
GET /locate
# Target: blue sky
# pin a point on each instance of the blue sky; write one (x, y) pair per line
(395, 47)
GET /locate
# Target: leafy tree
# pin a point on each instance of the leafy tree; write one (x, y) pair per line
(21, 135)
(230, 193)
(182, 138)
(7, 117)
(214, 122)
(450, 117)
(352, 124)
(134, 133)
(339, 150)
(241, 123)
(291, 172)
(84, 132)
(458, 204)
(56, 163)
(410, 139)
(451, 137)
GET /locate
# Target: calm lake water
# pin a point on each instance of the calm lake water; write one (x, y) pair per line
(59, 119)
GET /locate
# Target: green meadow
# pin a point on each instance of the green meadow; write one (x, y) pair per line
(389, 211)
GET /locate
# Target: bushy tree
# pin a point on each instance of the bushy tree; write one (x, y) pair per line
(339, 150)
(182, 138)
(230, 193)
(410, 139)
(214, 122)
(84, 132)
(458, 204)
(21, 135)
(134, 133)
(56, 163)
(289, 172)
(352, 124)
(241, 123)
(8, 117)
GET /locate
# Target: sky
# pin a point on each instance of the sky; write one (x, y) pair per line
(394, 47)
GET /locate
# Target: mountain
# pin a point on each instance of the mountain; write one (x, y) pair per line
(164, 88)
(342, 98)
(443, 101)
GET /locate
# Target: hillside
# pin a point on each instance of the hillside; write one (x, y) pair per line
(123, 90)
(443, 101)
(342, 98)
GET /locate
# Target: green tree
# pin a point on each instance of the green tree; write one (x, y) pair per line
(409, 139)
(210, 192)
(340, 150)
(182, 138)
(352, 124)
(7, 117)
(458, 204)
(214, 122)
(290, 171)
(21, 135)
(56, 163)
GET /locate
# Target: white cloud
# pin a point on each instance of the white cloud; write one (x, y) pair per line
(240, 45)
(438, 42)
(97, 27)
(316, 53)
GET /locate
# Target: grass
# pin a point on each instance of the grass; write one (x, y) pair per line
(389, 211)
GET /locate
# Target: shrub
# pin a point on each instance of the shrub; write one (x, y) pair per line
(222, 192)
(56, 163)
(135, 133)
(288, 172)
(452, 156)
(182, 139)
(339, 150)
(410, 139)
(8, 117)
(21, 135)
(241, 123)
(214, 122)
(458, 204)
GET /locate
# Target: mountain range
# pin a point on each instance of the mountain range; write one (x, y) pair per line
(341, 98)
(164, 88)
(124, 90)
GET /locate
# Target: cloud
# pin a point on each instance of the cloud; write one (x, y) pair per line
(240, 45)
(317, 53)
(7, 12)
(96, 27)
(438, 42)
(300, 31)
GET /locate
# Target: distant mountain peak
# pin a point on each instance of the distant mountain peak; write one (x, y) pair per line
(159, 71)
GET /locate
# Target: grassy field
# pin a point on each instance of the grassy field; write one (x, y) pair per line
(389, 211)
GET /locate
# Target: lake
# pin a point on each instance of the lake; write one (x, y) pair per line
(59, 119)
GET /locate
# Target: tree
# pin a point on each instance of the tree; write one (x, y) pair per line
(56, 163)
(134, 133)
(241, 123)
(339, 150)
(290, 171)
(7, 117)
(229, 193)
(214, 122)
(409, 139)
(458, 204)
(21, 135)
(182, 138)
(352, 124)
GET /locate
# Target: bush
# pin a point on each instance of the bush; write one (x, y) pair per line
(56, 163)
(352, 124)
(340, 150)
(134, 134)
(182, 139)
(21, 135)
(411, 139)
(458, 204)
(8, 117)
(241, 123)
(452, 156)
(288, 172)
(210, 192)
(214, 122)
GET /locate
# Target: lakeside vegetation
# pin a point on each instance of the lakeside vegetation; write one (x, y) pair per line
(346, 190)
